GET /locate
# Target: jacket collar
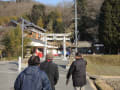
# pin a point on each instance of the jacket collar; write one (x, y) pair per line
(79, 59)
(49, 60)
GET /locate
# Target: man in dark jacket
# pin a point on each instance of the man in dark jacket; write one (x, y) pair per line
(51, 70)
(32, 78)
(78, 72)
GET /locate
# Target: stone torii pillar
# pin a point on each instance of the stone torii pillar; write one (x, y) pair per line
(64, 48)
(45, 47)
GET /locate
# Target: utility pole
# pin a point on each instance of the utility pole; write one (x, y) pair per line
(76, 31)
(45, 46)
(22, 36)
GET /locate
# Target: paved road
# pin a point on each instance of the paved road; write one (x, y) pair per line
(61, 84)
(8, 74)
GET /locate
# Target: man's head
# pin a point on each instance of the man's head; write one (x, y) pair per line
(78, 55)
(49, 56)
(34, 61)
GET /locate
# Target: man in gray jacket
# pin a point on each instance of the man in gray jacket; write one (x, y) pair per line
(51, 69)
(78, 72)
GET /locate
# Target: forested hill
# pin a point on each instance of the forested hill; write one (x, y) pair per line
(9, 8)
(18, 9)
(93, 7)
(63, 15)
(15, 9)
(12, 10)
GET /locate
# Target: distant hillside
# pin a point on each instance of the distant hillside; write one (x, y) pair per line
(18, 9)
(15, 9)
(93, 7)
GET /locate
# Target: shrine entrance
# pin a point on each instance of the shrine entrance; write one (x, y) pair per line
(56, 37)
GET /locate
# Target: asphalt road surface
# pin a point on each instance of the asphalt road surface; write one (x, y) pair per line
(63, 71)
(9, 72)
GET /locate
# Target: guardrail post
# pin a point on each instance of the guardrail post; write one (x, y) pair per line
(19, 64)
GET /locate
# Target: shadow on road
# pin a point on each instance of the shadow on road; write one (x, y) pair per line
(2, 64)
(63, 66)
(13, 69)
(13, 63)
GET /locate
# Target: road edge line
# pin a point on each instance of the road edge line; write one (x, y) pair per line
(91, 83)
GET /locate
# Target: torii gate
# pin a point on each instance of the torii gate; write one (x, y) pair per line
(58, 37)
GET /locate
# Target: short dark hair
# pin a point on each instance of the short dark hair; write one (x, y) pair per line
(33, 51)
(34, 60)
(78, 54)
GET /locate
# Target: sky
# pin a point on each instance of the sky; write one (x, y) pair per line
(52, 2)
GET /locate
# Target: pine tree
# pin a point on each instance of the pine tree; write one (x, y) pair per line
(37, 12)
(58, 27)
(82, 15)
(109, 25)
(81, 5)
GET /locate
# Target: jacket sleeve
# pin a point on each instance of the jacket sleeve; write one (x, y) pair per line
(85, 62)
(45, 82)
(56, 77)
(70, 71)
(17, 84)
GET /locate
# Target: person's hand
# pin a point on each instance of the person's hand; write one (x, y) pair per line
(67, 81)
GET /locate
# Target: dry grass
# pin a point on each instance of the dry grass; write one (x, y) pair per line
(104, 59)
(101, 85)
(103, 65)
(9, 59)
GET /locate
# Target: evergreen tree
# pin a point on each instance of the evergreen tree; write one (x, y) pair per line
(81, 6)
(37, 12)
(109, 25)
(58, 27)
(82, 15)
(55, 23)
